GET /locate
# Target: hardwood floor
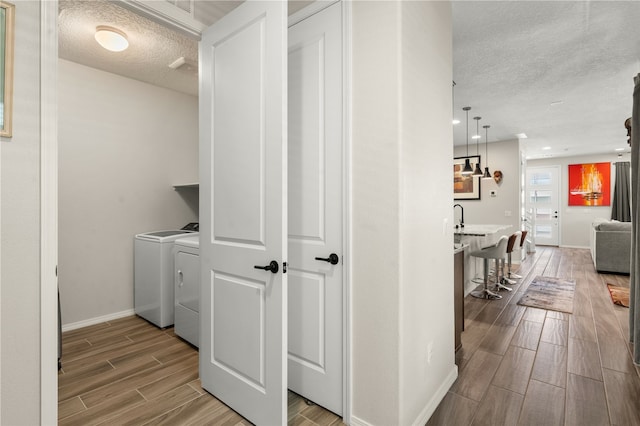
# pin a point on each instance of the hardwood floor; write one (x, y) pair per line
(129, 372)
(528, 366)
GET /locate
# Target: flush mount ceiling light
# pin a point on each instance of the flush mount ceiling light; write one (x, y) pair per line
(111, 38)
(546, 148)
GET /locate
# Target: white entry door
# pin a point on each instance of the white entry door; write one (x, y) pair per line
(543, 198)
(243, 211)
(315, 208)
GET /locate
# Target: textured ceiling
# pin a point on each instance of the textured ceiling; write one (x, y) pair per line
(152, 47)
(560, 72)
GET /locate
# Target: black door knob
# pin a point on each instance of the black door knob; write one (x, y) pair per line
(273, 267)
(332, 259)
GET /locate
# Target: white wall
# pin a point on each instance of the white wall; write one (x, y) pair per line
(20, 231)
(123, 144)
(575, 222)
(426, 185)
(503, 156)
(402, 276)
(375, 230)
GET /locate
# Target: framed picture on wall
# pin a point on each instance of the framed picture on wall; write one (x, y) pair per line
(465, 187)
(590, 184)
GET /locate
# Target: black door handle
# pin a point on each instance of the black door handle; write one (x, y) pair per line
(273, 267)
(332, 259)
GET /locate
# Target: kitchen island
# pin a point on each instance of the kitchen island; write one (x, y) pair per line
(475, 236)
(458, 292)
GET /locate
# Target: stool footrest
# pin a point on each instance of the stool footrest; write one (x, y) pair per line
(485, 294)
(500, 286)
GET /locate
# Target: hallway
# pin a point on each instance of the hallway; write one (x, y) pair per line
(528, 366)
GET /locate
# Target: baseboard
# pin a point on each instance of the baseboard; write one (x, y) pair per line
(431, 406)
(354, 421)
(97, 320)
(575, 247)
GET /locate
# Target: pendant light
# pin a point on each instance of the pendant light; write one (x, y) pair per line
(467, 165)
(478, 170)
(487, 174)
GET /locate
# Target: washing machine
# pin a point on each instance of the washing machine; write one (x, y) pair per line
(153, 281)
(186, 255)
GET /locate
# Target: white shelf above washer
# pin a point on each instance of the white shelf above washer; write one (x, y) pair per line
(187, 185)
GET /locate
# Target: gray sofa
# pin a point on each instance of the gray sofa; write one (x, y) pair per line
(611, 246)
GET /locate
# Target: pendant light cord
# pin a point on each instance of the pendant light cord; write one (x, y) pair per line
(486, 143)
(487, 173)
(466, 109)
(477, 133)
(453, 104)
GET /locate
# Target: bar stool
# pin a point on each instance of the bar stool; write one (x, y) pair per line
(515, 237)
(522, 241)
(497, 252)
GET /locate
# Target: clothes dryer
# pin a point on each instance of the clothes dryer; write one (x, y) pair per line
(186, 255)
(153, 275)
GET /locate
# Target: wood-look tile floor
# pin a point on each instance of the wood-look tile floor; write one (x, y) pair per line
(518, 365)
(129, 372)
(528, 366)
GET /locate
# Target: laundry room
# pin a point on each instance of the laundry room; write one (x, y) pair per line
(124, 143)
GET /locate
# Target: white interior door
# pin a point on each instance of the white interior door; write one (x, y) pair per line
(315, 208)
(543, 197)
(243, 216)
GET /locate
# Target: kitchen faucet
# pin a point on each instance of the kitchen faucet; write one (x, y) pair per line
(461, 215)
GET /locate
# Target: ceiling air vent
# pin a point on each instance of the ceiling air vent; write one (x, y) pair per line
(184, 64)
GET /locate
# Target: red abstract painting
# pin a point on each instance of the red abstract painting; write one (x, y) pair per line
(590, 184)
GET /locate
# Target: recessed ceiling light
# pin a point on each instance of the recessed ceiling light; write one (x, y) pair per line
(546, 148)
(476, 137)
(521, 136)
(619, 149)
(111, 38)
(456, 121)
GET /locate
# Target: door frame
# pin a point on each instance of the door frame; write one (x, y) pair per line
(558, 185)
(347, 73)
(301, 15)
(48, 212)
(49, 200)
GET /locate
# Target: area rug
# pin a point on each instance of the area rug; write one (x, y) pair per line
(555, 294)
(619, 295)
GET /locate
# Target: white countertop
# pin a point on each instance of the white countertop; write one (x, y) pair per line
(458, 247)
(479, 230)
